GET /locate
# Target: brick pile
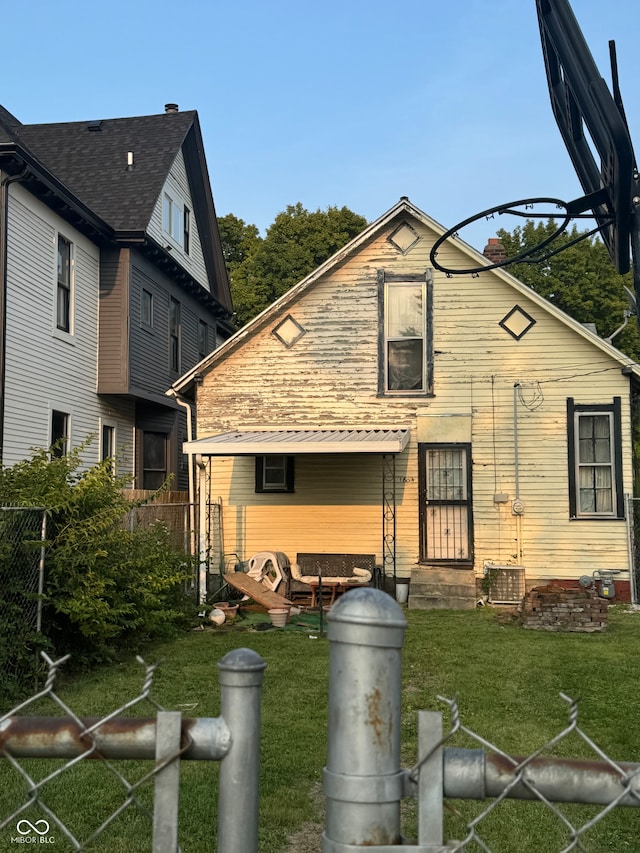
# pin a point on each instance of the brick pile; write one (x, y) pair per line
(552, 608)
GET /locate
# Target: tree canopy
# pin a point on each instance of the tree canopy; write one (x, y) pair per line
(262, 269)
(580, 280)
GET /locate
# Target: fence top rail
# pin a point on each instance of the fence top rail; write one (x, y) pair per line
(23, 509)
(202, 739)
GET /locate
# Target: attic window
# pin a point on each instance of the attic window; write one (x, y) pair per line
(172, 219)
(405, 341)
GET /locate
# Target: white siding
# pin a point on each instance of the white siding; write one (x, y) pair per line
(45, 369)
(177, 186)
(330, 378)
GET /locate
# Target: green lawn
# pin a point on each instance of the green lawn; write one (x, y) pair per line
(506, 680)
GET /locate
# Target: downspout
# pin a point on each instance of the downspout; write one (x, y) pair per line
(192, 512)
(4, 255)
(203, 555)
(515, 440)
(517, 506)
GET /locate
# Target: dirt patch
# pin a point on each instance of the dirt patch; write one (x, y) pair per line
(308, 839)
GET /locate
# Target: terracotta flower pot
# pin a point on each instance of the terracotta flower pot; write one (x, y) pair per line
(230, 610)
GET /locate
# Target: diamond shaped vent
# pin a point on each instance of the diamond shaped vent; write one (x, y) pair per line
(289, 331)
(404, 238)
(517, 322)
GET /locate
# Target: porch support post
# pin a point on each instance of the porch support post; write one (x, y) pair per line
(202, 529)
(388, 515)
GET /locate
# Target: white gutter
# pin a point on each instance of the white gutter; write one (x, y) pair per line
(192, 498)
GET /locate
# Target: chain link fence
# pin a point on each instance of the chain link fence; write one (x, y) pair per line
(488, 775)
(458, 771)
(22, 535)
(93, 793)
(364, 782)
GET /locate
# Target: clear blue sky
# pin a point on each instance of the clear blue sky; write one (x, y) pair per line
(354, 103)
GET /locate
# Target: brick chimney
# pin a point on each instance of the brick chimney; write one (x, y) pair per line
(171, 108)
(495, 251)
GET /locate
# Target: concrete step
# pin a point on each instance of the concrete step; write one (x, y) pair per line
(443, 589)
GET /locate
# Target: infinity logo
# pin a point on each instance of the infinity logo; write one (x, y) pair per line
(32, 827)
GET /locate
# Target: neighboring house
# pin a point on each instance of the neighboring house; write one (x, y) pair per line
(113, 285)
(444, 424)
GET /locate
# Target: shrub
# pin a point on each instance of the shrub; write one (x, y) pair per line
(105, 586)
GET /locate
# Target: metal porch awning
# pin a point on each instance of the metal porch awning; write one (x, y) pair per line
(292, 442)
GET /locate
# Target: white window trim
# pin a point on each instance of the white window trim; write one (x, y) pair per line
(61, 334)
(112, 426)
(610, 465)
(169, 223)
(64, 410)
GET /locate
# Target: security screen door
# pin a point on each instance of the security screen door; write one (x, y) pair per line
(446, 502)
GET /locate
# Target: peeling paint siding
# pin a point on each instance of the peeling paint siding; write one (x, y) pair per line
(329, 377)
(46, 371)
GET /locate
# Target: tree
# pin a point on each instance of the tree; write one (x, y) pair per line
(295, 244)
(239, 240)
(580, 280)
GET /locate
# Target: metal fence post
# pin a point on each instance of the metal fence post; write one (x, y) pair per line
(431, 778)
(363, 780)
(241, 676)
(167, 782)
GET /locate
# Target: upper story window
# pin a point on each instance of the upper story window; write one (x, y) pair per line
(404, 335)
(174, 335)
(176, 221)
(146, 307)
(171, 218)
(203, 339)
(186, 230)
(595, 460)
(64, 285)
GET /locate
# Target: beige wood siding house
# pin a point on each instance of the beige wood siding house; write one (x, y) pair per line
(515, 420)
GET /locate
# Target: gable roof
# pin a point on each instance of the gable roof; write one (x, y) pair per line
(88, 160)
(402, 209)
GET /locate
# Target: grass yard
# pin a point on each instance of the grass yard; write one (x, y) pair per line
(506, 680)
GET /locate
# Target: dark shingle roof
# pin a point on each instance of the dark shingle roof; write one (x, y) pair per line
(93, 163)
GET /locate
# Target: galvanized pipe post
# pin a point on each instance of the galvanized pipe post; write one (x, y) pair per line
(241, 676)
(363, 780)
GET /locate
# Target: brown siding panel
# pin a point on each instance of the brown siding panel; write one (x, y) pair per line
(113, 370)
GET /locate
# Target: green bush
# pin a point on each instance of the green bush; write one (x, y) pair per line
(106, 586)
